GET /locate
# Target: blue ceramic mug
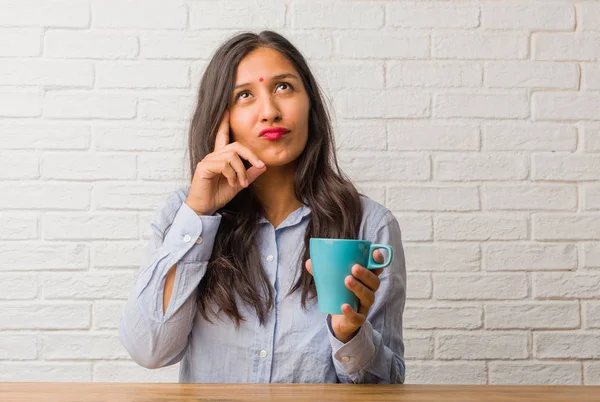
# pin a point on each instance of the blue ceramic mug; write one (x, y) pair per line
(332, 261)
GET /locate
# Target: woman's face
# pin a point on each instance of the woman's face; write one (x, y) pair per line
(269, 93)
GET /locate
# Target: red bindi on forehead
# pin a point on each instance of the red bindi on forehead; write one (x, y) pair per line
(261, 79)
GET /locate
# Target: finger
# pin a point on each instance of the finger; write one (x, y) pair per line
(364, 294)
(247, 154)
(253, 172)
(378, 256)
(367, 277)
(228, 172)
(308, 266)
(354, 318)
(222, 138)
(237, 165)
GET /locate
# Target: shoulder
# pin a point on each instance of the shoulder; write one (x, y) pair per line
(374, 217)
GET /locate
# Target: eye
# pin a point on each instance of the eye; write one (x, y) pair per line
(239, 95)
(286, 84)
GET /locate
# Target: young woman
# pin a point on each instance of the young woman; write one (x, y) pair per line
(226, 285)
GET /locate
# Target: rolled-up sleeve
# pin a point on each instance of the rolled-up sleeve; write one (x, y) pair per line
(179, 236)
(376, 353)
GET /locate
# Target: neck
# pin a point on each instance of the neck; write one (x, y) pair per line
(275, 191)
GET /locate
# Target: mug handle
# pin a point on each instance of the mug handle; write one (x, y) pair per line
(374, 265)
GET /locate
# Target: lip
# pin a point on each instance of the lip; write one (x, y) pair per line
(274, 132)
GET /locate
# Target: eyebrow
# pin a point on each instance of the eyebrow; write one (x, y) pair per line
(276, 77)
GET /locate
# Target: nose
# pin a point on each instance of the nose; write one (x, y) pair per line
(269, 109)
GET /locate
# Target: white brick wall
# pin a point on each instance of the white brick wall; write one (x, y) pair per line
(476, 122)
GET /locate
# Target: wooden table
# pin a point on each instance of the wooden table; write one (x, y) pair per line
(126, 392)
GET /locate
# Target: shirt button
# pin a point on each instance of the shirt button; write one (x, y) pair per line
(187, 238)
(270, 258)
(199, 241)
(263, 353)
(345, 358)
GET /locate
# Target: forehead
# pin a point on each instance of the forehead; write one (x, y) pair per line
(262, 62)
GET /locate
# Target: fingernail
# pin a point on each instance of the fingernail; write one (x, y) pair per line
(260, 163)
(351, 281)
(246, 183)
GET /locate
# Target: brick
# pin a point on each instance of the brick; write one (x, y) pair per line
(446, 373)
(172, 45)
(354, 15)
(86, 286)
(534, 373)
(565, 106)
(480, 105)
(19, 226)
(565, 167)
(420, 287)
(415, 198)
(359, 45)
(540, 315)
(505, 346)
(32, 256)
(538, 17)
(83, 346)
(443, 317)
(591, 136)
(588, 16)
(113, 371)
(107, 314)
(566, 46)
(138, 196)
(74, 44)
(115, 254)
(591, 200)
(407, 166)
(591, 373)
(142, 74)
(565, 227)
(418, 346)
(590, 76)
(566, 345)
(480, 227)
(415, 227)
(18, 346)
(146, 220)
(313, 45)
(178, 108)
(349, 74)
(86, 166)
(97, 226)
(430, 136)
(529, 256)
(532, 75)
(591, 255)
(47, 73)
(470, 286)
(44, 136)
(433, 15)
(481, 166)
(165, 167)
(89, 105)
(350, 135)
(439, 74)
(565, 285)
(20, 103)
(547, 197)
(389, 103)
(18, 286)
(490, 46)
(45, 196)
(529, 137)
(45, 372)
(20, 42)
(374, 192)
(63, 14)
(439, 257)
(592, 314)
(139, 14)
(234, 14)
(37, 316)
(19, 166)
(140, 138)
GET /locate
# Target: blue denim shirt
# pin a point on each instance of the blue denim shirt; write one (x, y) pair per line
(295, 345)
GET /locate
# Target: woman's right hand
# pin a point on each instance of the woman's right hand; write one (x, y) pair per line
(222, 174)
